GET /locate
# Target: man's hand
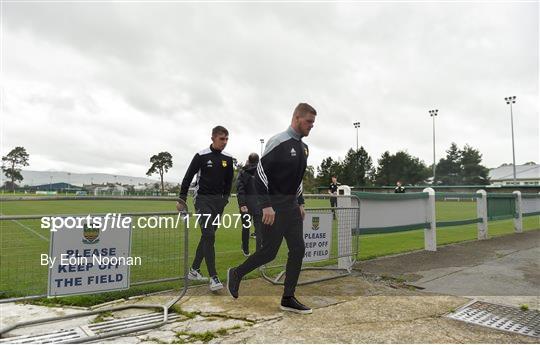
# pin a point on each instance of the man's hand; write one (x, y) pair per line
(244, 209)
(302, 212)
(268, 215)
(181, 206)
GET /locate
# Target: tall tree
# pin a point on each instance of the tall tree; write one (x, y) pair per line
(12, 163)
(400, 167)
(327, 169)
(161, 163)
(357, 168)
(473, 172)
(385, 175)
(309, 181)
(448, 170)
(462, 167)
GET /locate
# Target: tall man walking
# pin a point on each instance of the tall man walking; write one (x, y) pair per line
(214, 169)
(279, 189)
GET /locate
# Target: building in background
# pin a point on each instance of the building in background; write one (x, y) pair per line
(526, 174)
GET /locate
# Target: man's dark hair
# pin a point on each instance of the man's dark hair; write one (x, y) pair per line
(303, 108)
(219, 130)
(253, 158)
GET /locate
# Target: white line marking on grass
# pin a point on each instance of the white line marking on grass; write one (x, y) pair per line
(28, 228)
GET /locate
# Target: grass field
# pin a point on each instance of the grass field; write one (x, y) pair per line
(23, 241)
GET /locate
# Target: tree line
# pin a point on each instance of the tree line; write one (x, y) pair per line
(458, 167)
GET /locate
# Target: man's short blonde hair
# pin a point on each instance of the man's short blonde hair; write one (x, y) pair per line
(303, 109)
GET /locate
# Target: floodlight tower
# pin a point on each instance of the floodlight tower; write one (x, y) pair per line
(356, 125)
(262, 143)
(511, 100)
(433, 113)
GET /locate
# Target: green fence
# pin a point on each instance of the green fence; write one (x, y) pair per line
(501, 206)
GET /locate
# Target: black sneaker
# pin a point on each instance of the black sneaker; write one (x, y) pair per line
(245, 252)
(253, 235)
(233, 283)
(292, 304)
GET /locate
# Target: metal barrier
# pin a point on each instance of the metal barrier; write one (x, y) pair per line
(125, 330)
(23, 240)
(342, 251)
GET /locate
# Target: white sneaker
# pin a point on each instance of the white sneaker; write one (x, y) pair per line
(215, 284)
(195, 275)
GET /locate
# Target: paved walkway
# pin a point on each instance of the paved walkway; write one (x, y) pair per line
(504, 269)
(375, 304)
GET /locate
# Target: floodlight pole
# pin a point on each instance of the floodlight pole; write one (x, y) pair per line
(511, 100)
(262, 143)
(356, 125)
(433, 113)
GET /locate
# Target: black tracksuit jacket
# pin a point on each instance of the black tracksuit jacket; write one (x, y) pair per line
(280, 171)
(245, 189)
(214, 170)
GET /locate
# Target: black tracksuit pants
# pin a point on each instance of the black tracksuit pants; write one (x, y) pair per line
(288, 224)
(205, 249)
(333, 203)
(256, 222)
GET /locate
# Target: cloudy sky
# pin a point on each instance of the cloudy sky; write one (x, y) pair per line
(100, 87)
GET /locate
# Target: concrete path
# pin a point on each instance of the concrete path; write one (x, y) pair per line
(504, 269)
(354, 309)
(375, 304)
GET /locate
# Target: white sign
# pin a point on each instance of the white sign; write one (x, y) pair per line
(93, 257)
(317, 236)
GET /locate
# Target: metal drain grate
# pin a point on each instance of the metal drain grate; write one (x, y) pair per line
(82, 332)
(503, 318)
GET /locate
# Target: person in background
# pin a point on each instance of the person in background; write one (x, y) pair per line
(250, 211)
(399, 188)
(332, 190)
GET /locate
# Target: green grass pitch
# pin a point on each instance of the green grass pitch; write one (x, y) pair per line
(161, 250)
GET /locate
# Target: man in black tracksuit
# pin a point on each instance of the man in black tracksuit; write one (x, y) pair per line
(279, 188)
(399, 188)
(332, 190)
(247, 201)
(214, 169)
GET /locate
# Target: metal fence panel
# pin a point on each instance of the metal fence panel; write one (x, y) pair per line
(343, 246)
(23, 241)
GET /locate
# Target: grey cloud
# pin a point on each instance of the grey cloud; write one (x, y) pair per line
(158, 76)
